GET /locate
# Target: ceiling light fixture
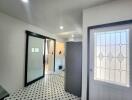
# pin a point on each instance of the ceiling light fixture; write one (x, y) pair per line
(72, 35)
(61, 27)
(25, 1)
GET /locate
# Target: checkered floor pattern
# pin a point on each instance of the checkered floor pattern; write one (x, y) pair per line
(49, 88)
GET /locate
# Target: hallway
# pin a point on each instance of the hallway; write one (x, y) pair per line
(49, 88)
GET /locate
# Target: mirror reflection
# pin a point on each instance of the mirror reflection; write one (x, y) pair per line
(35, 58)
(49, 56)
(35, 52)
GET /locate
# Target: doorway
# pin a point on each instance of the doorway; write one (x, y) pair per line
(109, 56)
(50, 56)
(60, 58)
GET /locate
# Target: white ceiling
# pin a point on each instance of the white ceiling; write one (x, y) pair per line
(50, 14)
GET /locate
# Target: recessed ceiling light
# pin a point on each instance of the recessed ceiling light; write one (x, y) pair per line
(61, 27)
(25, 1)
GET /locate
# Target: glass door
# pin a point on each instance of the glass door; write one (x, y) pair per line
(35, 52)
(109, 62)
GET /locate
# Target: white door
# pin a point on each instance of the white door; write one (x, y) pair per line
(110, 63)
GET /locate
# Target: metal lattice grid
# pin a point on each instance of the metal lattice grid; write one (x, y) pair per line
(111, 57)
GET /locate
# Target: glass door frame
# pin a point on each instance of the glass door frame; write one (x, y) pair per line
(28, 34)
(88, 45)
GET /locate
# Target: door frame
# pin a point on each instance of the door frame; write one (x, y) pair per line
(29, 33)
(54, 48)
(88, 44)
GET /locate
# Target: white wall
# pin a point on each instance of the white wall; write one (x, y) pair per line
(107, 13)
(12, 51)
(75, 39)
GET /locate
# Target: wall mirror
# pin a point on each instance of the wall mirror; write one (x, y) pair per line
(35, 57)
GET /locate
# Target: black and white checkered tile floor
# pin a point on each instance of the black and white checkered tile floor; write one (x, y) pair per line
(49, 88)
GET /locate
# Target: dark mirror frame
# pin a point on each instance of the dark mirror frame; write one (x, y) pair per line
(28, 34)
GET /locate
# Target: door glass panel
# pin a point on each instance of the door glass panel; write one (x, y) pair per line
(35, 68)
(113, 54)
